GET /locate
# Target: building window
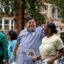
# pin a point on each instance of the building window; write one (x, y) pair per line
(6, 25)
(12, 25)
(6, 22)
(0, 26)
(53, 12)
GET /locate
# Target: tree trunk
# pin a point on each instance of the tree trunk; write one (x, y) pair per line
(19, 16)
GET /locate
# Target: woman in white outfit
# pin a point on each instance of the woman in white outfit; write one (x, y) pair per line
(51, 47)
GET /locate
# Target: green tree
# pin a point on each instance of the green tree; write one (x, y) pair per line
(32, 9)
(10, 6)
(60, 6)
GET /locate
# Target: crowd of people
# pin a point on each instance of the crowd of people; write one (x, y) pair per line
(33, 45)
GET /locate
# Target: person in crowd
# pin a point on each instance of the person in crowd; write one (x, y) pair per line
(62, 58)
(51, 48)
(12, 37)
(3, 48)
(28, 42)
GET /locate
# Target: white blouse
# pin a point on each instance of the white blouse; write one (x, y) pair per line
(50, 45)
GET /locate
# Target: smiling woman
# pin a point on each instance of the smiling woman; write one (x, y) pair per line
(51, 46)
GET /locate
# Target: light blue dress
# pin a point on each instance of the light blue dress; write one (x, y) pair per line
(10, 49)
(29, 40)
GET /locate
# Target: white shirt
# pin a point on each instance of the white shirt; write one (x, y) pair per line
(50, 45)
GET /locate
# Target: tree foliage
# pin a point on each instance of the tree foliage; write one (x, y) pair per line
(10, 6)
(32, 9)
(60, 6)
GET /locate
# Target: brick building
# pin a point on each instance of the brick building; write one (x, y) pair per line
(8, 22)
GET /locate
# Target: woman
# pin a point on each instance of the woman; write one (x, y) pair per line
(12, 36)
(3, 48)
(51, 47)
(62, 58)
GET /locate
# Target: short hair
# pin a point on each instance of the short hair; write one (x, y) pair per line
(28, 18)
(12, 34)
(52, 26)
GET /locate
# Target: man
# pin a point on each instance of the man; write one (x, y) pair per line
(28, 42)
(3, 48)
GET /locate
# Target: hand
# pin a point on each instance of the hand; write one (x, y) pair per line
(34, 58)
(12, 57)
(50, 61)
(4, 61)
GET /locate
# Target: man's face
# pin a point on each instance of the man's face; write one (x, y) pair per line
(31, 24)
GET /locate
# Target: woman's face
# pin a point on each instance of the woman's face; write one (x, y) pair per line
(47, 31)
